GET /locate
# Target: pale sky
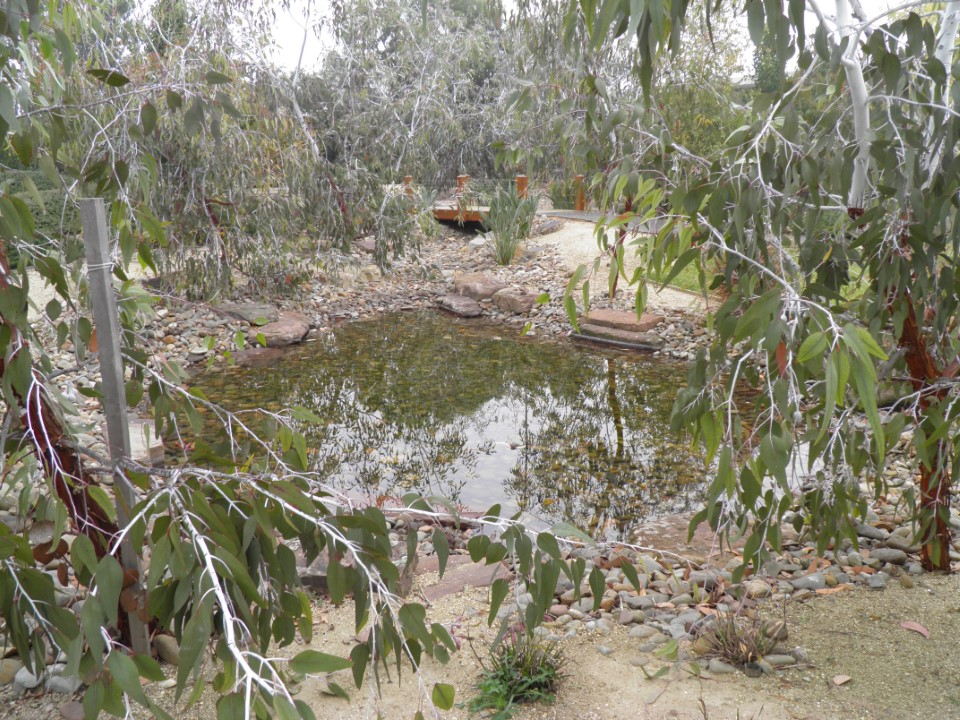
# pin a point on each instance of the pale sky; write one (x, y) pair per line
(290, 24)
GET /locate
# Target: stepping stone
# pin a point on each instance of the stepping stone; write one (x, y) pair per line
(459, 305)
(622, 320)
(253, 313)
(289, 329)
(478, 286)
(642, 340)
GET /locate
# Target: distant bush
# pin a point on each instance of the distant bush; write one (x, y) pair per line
(562, 194)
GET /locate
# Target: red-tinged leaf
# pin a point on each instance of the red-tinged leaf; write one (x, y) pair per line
(839, 680)
(781, 356)
(915, 627)
(705, 610)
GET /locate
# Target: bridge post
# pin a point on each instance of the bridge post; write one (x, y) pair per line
(408, 186)
(581, 201)
(521, 182)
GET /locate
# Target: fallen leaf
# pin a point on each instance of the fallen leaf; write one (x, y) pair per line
(916, 627)
(831, 591)
(839, 680)
(707, 610)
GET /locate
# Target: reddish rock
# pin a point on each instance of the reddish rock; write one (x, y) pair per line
(514, 300)
(622, 320)
(291, 328)
(460, 305)
(478, 286)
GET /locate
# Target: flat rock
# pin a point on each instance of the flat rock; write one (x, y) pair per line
(643, 340)
(514, 300)
(478, 286)
(622, 320)
(289, 329)
(460, 305)
(253, 313)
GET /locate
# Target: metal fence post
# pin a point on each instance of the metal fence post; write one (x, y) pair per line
(99, 272)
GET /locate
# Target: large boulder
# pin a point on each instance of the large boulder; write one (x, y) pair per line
(460, 305)
(289, 329)
(515, 300)
(478, 286)
(252, 313)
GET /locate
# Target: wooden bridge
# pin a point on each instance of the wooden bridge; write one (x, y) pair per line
(461, 208)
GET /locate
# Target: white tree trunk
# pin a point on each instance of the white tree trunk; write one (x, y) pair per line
(861, 107)
(944, 51)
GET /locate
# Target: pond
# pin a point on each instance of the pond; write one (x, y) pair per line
(427, 403)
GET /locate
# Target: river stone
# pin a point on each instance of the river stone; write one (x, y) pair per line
(627, 617)
(869, 531)
(890, 555)
(780, 660)
(517, 301)
(478, 286)
(8, 669)
(899, 543)
(640, 602)
(557, 610)
(878, 581)
(643, 632)
(252, 313)
(756, 589)
(289, 329)
(719, 667)
(459, 305)
(72, 711)
(25, 680)
(167, 648)
(64, 684)
(604, 650)
(814, 581)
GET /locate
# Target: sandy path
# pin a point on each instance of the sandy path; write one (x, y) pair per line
(577, 245)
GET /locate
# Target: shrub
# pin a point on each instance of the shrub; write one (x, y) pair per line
(509, 222)
(562, 194)
(522, 669)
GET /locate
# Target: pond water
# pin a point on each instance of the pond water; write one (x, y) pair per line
(427, 403)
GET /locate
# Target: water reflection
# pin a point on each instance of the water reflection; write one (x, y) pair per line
(427, 403)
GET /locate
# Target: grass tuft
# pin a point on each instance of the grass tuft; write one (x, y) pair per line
(520, 670)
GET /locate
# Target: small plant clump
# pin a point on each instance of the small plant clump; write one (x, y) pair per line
(521, 669)
(741, 640)
(509, 222)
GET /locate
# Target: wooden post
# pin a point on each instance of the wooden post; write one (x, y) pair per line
(99, 272)
(581, 202)
(521, 183)
(408, 186)
(462, 182)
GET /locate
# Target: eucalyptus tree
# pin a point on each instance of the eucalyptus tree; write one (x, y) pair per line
(832, 215)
